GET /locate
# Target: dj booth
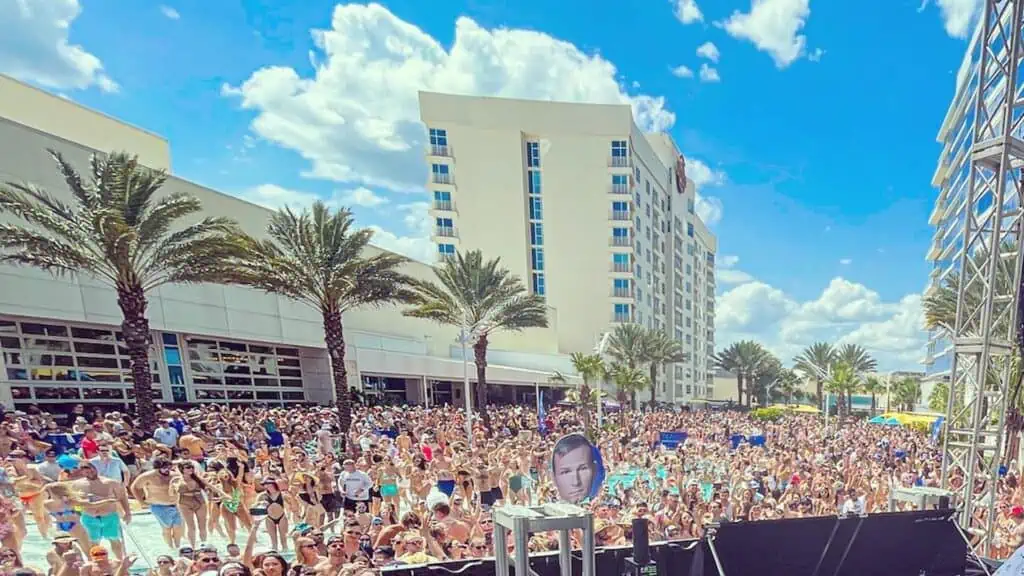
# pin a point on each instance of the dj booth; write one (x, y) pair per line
(917, 543)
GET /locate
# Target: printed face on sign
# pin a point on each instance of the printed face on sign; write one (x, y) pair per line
(576, 467)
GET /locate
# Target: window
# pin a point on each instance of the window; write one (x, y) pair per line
(711, 258)
(536, 209)
(621, 283)
(621, 311)
(689, 249)
(533, 181)
(538, 283)
(639, 273)
(440, 173)
(639, 295)
(620, 150)
(438, 137)
(620, 260)
(620, 206)
(444, 222)
(442, 196)
(689, 206)
(620, 180)
(537, 258)
(533, 154)
(536, 234)
(446, 250)
(689, 230)
(620, 233)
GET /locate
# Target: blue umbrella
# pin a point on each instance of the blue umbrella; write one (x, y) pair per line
(892, 422)
(877, 420)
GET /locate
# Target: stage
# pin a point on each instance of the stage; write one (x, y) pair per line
(917, 543)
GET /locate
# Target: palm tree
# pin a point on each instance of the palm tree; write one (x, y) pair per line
(815, 361)
(480, 297)
(764, 377)
(788, 386)
(858, 359)
(628, 346)
(119, 230)
(751, 357)
(590, 367)
(729, 361)
(907, 393)
(843, 381)
(317, 258)
(873, 385)
(628, 380)
(659, 349)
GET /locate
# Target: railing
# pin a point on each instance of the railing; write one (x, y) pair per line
(617, 188)
(446, 231)
(622, 318)
(621, 241)
(444, 205)
(620, 215)
(622, 292)
(618, 161)
(444, 257)
(441, 178)
(442, 151)
(620, 267)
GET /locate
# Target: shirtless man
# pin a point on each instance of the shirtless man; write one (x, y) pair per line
(154, 488)
(103, 522)
(28, 483)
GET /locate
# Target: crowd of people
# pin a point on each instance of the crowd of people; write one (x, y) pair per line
(409, 488)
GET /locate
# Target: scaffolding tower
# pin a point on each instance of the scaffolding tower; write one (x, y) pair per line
(985, 333)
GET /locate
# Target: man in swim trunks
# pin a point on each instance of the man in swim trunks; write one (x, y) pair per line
(103, 522)
(154, 488)
(28, 483)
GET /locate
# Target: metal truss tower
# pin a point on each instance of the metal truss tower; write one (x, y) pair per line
(985, 333)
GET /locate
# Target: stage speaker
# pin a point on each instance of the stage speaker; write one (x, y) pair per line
(641, 541)
(943, 503)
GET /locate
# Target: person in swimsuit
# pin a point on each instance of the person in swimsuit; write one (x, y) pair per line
(230, 503)
(101, 521)
(272, 501)
(313, 511)
(28, 482)
(63, 505)
(154, 488)
(389, 476)
(189, 487)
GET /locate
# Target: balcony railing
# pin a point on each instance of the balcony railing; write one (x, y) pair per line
(441, 178)
(444, 205)
(622, 318)
(622, 292)
(441, 151)
(618, 161)
(445, 231)
(620, 215)
(620, 267)
(619, 188)
(621, 241)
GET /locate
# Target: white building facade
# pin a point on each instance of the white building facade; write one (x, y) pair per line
(60, 341)
(596, 215)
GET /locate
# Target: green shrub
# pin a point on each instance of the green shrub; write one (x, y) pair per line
(769, 414)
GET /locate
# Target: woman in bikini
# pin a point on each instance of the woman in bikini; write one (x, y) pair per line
(313, 511)
(389, 476)
(272, 503)
(189, 489)
(64, 507)
(230, 503)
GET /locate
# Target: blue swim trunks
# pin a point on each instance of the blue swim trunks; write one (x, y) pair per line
(107, 527)
(166, 514)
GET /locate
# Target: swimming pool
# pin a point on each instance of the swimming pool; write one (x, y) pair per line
(143, 537)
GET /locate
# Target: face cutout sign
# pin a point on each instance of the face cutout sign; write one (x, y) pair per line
(577, 468)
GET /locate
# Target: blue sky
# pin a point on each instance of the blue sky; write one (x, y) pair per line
(814, 129)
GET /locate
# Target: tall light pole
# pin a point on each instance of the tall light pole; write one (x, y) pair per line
(599, 350)
(464, 336)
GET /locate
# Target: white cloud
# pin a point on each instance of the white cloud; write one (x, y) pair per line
(708, 208)
(35, 47)
(357, 119)
(682, 72)
(774, 27)
(363, 197)
(845, 261)
(273, 197)
(708, 50)
(959, 15)
(815, 55)
(844, 312)
(727, 260)
(417, 245)
(726, 275)
(169, 12)
(688, 12)
(708, 74)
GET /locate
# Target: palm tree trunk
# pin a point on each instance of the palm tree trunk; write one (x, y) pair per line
(585, 408)
(872, 404)
(820, 385)
(739, 389)
(480, 357)
(654, 383)
(135, 328)
(334, 336)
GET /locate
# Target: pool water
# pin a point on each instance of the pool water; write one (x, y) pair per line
(143, 537)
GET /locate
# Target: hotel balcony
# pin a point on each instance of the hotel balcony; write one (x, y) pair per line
(625, 241)
(443, 206)
(439, 151)
(618, 161)
(620, 215)
(622, 292)
(618, 188)
(620, 267)
(446, 232)
(622, 318)
(439, 178)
